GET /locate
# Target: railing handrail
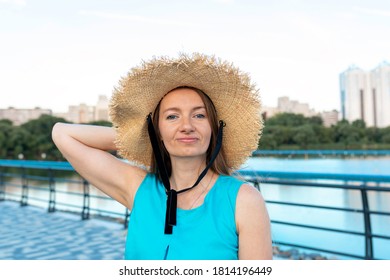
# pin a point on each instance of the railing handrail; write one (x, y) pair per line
(323, 152)
(36, 164)
(264, 174)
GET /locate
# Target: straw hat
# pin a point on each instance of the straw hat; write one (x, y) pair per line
(235, 98)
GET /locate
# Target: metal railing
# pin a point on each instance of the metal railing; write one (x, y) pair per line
(19, 171)
(15, 174)
(359, 183)
(321, 153)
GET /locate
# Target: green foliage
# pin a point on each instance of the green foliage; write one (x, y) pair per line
(6, 129)
(5, 122)
(32, 140)
(287, 130)
(287, 119)
(304, 135)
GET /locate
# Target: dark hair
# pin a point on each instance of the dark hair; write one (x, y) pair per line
(219, 165)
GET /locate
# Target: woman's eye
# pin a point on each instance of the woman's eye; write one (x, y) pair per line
(171, 117)
(200, 116)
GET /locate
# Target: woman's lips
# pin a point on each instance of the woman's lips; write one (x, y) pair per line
(187, 139)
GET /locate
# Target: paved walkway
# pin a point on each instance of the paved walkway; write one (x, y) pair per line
(31, 233)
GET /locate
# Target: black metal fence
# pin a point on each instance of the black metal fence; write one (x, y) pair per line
(21, 174)
(45, 178)
(353, 182)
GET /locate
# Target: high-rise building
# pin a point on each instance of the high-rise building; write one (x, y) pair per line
(366, 95)
(380, 86)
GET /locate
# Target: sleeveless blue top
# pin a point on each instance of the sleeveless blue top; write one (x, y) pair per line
(207, 232)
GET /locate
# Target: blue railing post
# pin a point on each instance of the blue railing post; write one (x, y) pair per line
(2, 185)
(85, 212)
(367, 225)
(256, 184)
(52, 194)
(127, 216)
(24, 199)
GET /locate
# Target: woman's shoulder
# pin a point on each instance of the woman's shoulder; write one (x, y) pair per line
(250, 202)
(249, 192)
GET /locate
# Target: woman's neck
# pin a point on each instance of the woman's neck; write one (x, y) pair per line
(185, 172)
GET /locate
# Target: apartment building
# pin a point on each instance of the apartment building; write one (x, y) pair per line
(20, 116)
(365, 95)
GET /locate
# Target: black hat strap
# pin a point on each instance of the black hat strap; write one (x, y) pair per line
(170, 215)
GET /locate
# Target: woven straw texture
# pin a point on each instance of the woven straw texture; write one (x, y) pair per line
(236, 100)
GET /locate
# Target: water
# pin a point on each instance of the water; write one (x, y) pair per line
(352, 244)
(369, 166)
(351, 221)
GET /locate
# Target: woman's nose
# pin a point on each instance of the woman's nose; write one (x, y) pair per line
(186, 124)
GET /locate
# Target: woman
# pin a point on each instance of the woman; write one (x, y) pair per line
(184, 125)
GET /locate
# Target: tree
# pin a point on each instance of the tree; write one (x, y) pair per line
(373, 134)
(359, 124)
(385, 135)
(267, 142)
(304, 135)
(5, 133)
(42, 146)
(6, 122)
(287, 119)
(347, 134)
(19, 143)
(315, 120)
(280, 134)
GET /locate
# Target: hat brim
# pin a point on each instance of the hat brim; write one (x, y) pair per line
(235, 98)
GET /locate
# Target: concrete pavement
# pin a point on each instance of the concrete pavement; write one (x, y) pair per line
(31, 233)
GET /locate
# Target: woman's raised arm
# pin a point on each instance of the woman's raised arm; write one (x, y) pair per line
(85, 147)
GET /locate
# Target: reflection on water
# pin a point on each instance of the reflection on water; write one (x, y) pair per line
(351, 221)
(69, 196)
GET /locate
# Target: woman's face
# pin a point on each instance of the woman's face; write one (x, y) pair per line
(184, 125)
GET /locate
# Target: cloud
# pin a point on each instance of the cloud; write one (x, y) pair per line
(134, 18)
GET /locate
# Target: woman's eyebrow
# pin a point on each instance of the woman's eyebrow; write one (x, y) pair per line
(177, 109)
(198, 108)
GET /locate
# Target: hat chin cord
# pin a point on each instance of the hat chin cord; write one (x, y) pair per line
(170, 215)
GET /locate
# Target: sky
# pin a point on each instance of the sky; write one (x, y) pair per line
(54, 54)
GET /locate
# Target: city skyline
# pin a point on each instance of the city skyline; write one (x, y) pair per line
(85, 113)
(55, 55)
(98, 98)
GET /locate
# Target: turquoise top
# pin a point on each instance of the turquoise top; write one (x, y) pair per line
(207, 232)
